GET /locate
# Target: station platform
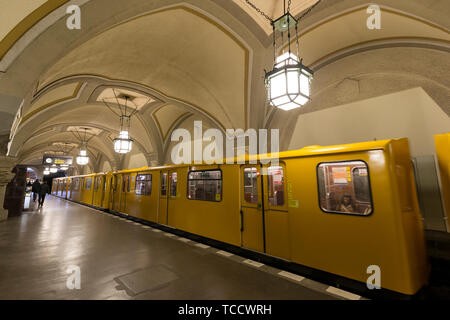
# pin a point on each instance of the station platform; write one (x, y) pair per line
(122, 259)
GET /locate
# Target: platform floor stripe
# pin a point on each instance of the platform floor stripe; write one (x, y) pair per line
(343, 293)
(170, 235)
(224, 253)
(291, 276)
(201, 245)
(253, 263)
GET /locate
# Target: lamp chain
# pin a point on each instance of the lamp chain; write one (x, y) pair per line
(309, 10)
(259, 11)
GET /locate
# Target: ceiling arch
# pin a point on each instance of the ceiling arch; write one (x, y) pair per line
(95, 149)
(347, 29)
(89, 115)
(190, 57)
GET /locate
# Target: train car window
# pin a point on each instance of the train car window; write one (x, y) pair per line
(205, 185)
(344, 187)
(163, 184)
(126, 184)
(173, 184)
(113, 183)
(88, 183)
(77, 184)
(97, 182)
(275, 176)
(361, 184)
(250, 185)
(143, 184)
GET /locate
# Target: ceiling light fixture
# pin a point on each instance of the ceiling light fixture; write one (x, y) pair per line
(123, 143)
(82, 158)
(288, 83)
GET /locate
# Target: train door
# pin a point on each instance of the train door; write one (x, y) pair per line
(163, 198)
(252, 218)
(97, 191)
(173, 193)
(276, 215)
(103, 191)
(125, 190)
(69, 188)
(116, 192)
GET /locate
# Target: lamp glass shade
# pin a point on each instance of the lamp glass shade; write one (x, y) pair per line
(288, 84)
(123, 144)
(82, 160)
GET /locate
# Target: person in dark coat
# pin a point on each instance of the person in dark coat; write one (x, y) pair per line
(35, 188)
(42, 193)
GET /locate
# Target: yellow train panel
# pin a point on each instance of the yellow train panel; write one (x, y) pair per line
(340, 209)
(442, 142)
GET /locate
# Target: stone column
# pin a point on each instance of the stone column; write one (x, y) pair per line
(6, 175)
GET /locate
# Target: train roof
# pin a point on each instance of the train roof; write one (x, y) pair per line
(304, 152)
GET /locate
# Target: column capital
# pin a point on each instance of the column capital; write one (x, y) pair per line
(6, 166)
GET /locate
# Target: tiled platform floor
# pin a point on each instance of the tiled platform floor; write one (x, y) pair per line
(121, 259)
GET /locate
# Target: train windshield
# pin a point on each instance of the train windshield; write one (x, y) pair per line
(344, 187)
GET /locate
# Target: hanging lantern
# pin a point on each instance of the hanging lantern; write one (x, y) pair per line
(82, 158)
(288, 84)
(123, 144)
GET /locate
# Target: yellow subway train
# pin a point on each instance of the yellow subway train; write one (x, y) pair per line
(339, 209)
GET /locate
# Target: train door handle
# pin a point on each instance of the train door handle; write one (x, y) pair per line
(242, 220)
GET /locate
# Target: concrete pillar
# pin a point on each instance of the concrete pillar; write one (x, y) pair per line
(6, 166)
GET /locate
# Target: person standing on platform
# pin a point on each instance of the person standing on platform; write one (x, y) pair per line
(42, 193)
(35, 188)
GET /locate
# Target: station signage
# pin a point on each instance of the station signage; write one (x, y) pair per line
(57, 160)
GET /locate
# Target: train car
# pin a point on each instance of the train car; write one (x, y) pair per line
(55, 183)
(101, 193)
(60, 187)
(442, 142)
(340, 209)
(63, 189)
(132, 193)
(81, 188)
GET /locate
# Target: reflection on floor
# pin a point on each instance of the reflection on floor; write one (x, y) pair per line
(121, 259)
